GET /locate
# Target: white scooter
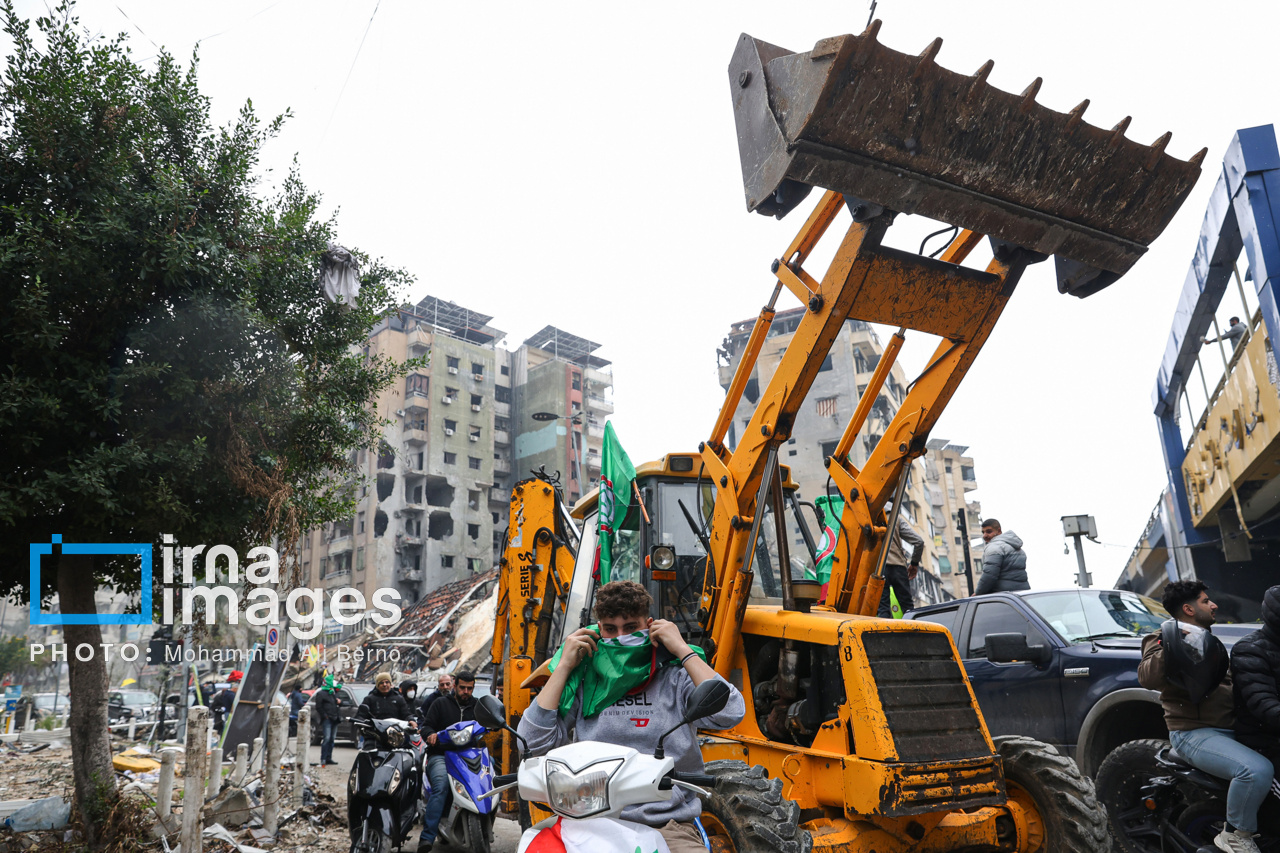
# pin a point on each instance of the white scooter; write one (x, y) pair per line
(588, 784)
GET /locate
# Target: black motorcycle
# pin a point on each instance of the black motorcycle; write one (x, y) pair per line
(1158, 803)
(384, 791)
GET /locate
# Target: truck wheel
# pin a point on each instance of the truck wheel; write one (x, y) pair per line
(747, 814)
(1059, 798)
(1122, 774)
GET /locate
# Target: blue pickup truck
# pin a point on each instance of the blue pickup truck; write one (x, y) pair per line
(1069, 674)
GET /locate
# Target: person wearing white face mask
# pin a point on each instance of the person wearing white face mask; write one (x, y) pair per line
(651, 672)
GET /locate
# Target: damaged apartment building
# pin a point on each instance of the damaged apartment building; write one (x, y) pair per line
(432, 505)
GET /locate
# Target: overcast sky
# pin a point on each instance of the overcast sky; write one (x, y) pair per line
(576, 164)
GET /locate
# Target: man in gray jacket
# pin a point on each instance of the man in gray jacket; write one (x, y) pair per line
(643, 713)
(899, 569)
(1004, 563)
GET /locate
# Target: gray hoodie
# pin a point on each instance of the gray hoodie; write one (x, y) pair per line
(638, 721)
(1004, 565)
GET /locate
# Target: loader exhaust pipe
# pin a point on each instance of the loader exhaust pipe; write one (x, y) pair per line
(902, 132)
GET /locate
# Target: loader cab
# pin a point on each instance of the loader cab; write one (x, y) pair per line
(661, 545)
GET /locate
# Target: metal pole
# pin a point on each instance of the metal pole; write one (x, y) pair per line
(962, 518)
(1221, 349)
(1207, 399)
(1082, 579)
(1248, 315)
(193, 778)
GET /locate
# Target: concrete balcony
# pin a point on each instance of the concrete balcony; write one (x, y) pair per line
(414, 508)
(408, 573)
(409, 541)
(499, 496)
(593, 461)
(599, 404)
(333, 580)
(340, 545)
(415, 401)
(501, 410)
(415, 437)
(599, 378)
(418, 338)
(502, 465)
(502, 437)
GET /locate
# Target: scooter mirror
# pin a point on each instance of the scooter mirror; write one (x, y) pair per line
(707, 698)
(490, 713)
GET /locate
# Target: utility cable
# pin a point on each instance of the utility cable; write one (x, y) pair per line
(349, 70)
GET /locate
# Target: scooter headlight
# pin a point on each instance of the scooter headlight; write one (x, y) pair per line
(460, 737)
(395, 737)
(580, 794)
(395, 780)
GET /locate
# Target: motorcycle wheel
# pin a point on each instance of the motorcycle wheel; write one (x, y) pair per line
(1051, 788)
(746, 812)
(1134, 828)
(375, 842)
(1202, 821)
(477, 839)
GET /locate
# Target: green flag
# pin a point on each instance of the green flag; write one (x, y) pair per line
(831, 508)
(616, 476)
(621, 665)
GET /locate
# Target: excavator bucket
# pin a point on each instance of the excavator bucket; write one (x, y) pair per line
(889, 130)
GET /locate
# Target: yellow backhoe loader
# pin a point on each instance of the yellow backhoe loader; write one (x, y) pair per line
(861, 734)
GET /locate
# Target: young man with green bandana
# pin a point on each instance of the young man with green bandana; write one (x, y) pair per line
(626, 681)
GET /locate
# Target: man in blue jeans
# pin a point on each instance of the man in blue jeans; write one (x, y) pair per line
(1188, 665)
(454, 708)
(326, 704)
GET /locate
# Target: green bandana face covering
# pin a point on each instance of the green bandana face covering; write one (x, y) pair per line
(619, 666)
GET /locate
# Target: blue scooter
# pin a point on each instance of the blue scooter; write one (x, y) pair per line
(468, 818)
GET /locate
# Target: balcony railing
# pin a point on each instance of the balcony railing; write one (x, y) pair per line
(600, 404)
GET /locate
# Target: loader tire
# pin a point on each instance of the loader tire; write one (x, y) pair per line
(1121, 777)
(1045, 782)
(746, 812)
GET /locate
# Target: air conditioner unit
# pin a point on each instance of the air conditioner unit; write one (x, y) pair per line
(475, 438)
(447, 400)
(453, 370)
(400, 413)
(448, 431)
(475, 407)
(479, 377)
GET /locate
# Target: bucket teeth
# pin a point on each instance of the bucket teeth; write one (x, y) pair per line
(979, 79)
(1076, 115)
(1029, 94)
(1198, 157)
(902, 132)
(1157, 149)
(927, 56)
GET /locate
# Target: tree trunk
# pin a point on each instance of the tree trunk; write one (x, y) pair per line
(90, 741)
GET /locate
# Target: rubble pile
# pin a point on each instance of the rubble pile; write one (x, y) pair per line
(432, 628)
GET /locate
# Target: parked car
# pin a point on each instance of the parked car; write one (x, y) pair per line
(52, 703)
(349, 698)
(1063, 668)
(126, 704)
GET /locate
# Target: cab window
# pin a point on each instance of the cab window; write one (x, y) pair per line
(945, 618)
(997, 617)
